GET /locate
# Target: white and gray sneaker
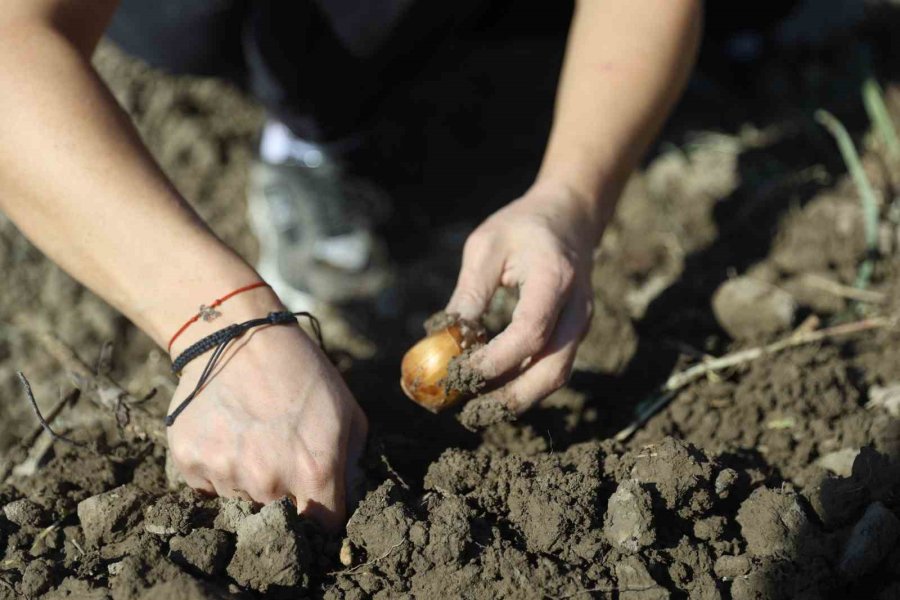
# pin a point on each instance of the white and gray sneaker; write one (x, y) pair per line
(315, 224)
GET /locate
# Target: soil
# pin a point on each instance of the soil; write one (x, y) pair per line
(776, 478)
(484, 411)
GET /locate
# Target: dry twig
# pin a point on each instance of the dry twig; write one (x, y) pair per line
(843, 291)
(103, 391)
(26, 386)
(681, 379)
(20, 451)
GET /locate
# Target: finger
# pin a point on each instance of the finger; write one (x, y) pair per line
(219, 470)
(259, 482)
(552, 367)
(479, 277)
(325, 506)
(541, 298)
(242, 494)
(319, 491)
(199, 483)
(192, 471)
(354, 479)
(228, 489)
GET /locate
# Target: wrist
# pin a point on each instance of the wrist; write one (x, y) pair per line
(246, 305)
(588, 207)
(590, 172)
(246, 362)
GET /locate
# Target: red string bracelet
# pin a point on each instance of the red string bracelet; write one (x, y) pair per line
(208, 313)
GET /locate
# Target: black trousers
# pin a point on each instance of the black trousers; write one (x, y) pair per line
(324, 66)
(320, 66)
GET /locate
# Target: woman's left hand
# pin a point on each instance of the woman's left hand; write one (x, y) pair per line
(542, 243)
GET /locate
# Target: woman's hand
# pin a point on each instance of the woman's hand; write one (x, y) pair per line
(543, 243)
(276, 419)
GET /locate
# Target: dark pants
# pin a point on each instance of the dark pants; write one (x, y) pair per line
(322, 67)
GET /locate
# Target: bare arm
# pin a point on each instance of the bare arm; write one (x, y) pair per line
(626, 64)
(76, 179)
(79, 183)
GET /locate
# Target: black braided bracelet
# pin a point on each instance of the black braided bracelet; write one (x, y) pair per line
(218, 342)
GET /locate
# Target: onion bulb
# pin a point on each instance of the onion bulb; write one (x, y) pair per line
(424, 368)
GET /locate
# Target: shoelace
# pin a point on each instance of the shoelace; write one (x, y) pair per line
(219, 341)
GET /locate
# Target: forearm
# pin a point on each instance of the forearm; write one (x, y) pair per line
(76, 179)
(626, 63)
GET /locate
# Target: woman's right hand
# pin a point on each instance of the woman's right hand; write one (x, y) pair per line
(276, 419)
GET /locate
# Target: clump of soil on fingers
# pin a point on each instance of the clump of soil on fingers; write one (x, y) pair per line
(776, 477)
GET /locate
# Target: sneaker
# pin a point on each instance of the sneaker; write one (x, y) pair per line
(315, 224)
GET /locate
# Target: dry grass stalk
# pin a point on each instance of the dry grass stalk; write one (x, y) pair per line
(683, 378)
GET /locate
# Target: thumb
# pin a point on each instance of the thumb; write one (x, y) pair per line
(478, 278)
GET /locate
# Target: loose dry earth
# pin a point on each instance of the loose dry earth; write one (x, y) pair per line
(777, 478)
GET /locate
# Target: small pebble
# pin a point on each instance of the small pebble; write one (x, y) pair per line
(346, 553)
(724, 482)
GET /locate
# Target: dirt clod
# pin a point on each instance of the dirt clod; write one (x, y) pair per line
(774, 523)
(481, 413)
(711, 529)
(635, 582)
(232, 512)
(628, 524)
(749, 308)
(106, 517)
(725, 482)
(381, 522)
(183, 588)
(873, 536)
(836, 500)
(36, 578)
(72, 588)
(680, 473)
(25, 513)
(169, 515)
(555, 508)
(730, 567)
(269, 553)
(206, 550)
(840, 462)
